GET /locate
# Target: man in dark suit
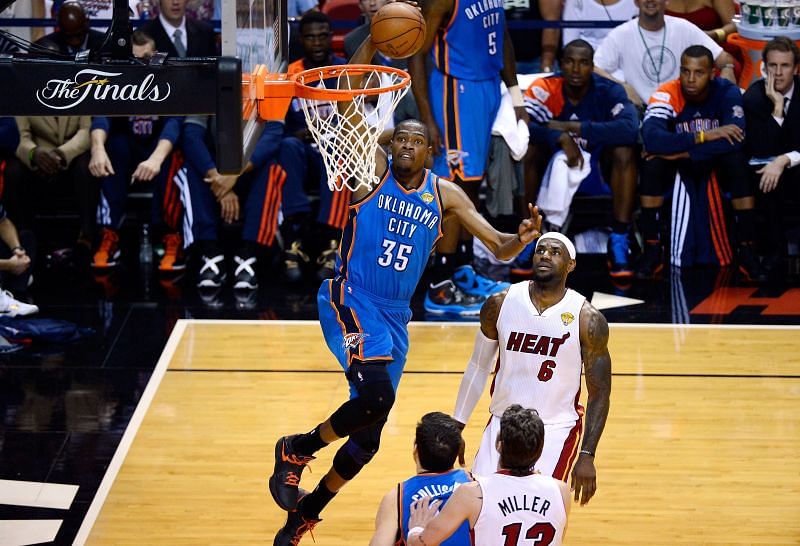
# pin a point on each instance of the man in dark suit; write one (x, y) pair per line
(179, 36)
(73, 34)
(772, 112)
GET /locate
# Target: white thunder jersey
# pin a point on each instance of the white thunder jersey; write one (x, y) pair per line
(517, 509)
(540, 356)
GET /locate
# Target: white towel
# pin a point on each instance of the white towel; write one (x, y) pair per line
(514, 132)
(559, 184)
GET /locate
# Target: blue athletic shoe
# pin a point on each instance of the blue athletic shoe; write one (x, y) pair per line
(446, 298)
(618, 250)
(476, 285)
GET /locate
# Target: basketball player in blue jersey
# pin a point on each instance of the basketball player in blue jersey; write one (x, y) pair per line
(437, 445)
(470, 50)
(364, 310)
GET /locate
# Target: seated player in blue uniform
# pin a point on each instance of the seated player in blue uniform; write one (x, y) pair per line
(364, 310)
(695, 126)
(579, 110)
(437, 445)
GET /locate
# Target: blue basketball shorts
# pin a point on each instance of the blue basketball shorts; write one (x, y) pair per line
(358, 325)
(464, 111)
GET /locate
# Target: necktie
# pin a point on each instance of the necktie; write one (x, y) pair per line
(179, 47)
(786, 101)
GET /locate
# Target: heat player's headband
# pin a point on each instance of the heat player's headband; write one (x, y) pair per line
(561, 238)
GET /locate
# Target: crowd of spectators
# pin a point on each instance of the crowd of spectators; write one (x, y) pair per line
(649, 108)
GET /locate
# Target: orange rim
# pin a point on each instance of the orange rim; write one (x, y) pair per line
(305, 79)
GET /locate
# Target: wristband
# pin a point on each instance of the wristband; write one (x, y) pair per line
(18, 247)
(415, 531)
(516, 96)
(30, 155)
(721, 34)
(730, 66)
(587, 452)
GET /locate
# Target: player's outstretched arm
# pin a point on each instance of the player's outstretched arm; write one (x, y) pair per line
(386, 521)
(465, 504)
(597, 368)
(503, 245)
(480, 364)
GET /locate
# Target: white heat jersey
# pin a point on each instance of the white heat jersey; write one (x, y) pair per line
(520, 509)
(540, 356)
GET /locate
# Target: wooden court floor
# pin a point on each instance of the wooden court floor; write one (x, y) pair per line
(701, 446)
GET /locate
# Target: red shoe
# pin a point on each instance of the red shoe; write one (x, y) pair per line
(174, 258)
(107, 254)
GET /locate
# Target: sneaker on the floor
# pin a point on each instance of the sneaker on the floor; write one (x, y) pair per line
(285, 480)
(10, 307)
(107, 254)
(210, 297)
(293, 530)
(474, 284)
(523, 263)
(212, 273)
(293, 260)
(245, 273)
(327, 261)
(651, 262)
(446, 298)
(618, 256)
(749, 265)
(174, 259)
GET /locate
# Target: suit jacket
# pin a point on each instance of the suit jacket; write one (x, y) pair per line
(95, 41)
(765, 138)
(70, 134)
(200, 38)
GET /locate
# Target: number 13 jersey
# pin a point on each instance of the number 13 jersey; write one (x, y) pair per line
(540, 356)
(389, 236)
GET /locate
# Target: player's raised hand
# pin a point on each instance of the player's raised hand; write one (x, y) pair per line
(530, 228)
(584, 479)
(422, 512)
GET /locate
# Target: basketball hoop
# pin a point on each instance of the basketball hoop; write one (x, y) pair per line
(348, 140)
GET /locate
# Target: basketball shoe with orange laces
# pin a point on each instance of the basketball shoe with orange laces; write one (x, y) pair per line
(296, 526)
(285, 480)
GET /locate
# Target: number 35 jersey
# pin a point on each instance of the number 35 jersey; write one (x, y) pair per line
(389, 236)
(540, 356)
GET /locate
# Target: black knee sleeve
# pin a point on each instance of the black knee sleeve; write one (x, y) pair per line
(375, 399)
(358, 451)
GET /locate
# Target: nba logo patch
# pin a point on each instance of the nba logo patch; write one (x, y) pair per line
(427, 197)
(351, 341)
(567, 318)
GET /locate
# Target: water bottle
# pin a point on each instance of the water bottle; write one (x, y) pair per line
(146, 10)
(145, 246)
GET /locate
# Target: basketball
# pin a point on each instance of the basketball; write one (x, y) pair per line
(398, 30)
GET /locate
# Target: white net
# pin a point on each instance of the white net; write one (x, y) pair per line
(347, 128)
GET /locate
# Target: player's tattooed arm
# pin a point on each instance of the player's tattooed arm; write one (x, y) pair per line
(597, 368)
(489, 313)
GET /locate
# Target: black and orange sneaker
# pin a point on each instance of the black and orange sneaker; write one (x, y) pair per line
(749, 265)
(651, 262)
(174, 258)
(293, 530)
(107, 254)
(285, 480)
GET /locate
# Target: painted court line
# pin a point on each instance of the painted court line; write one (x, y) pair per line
(14, 532)
(130, 432)
(37, 494)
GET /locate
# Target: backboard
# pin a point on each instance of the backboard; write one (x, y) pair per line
(257, 32)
